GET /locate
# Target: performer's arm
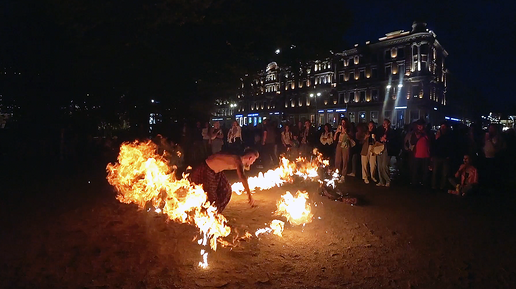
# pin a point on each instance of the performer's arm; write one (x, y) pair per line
(243, 179)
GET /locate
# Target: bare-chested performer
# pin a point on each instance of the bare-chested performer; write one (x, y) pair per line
(211, 175)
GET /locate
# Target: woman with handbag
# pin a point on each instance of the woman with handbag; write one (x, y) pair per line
(344, 144)
(387, 139)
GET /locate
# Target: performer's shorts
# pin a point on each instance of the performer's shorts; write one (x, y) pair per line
(216, 185)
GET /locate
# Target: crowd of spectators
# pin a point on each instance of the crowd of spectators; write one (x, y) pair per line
(458, 159)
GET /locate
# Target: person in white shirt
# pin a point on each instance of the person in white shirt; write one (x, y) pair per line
(217, 138)
(235, 138)
(326, 140)
(286, 140)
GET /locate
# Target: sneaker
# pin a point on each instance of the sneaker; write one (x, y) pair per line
(388, 185)
(453, 192)
(366, 181)
(380, 185)
(351, 174)
(374, 180)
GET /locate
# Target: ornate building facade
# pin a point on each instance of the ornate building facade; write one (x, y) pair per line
(401, 77)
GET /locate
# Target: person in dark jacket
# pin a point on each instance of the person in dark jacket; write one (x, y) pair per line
(306, 139)
(441, 153)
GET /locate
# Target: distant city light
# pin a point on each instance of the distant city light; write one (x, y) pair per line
(152, 100)
(388, 86)
(277, 51)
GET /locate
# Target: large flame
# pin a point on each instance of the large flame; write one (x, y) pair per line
(143, 177)
(284, 173)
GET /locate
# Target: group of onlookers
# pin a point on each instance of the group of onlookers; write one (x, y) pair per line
(442, 159)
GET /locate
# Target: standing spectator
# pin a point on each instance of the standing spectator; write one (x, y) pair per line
(344, 143)
(354, 152)
(248, 136)
(235, 138)
(421, 141)
(206, 138)
(269, 143)
(198, 147)
(258, 134)
(326, 140)
(287, 140)
(407, 154)
(368, 158)
(468, 177)
(217, 138)
(306, 143)
(296, 131)
(384, 159)
(441, 156)
(493, 144)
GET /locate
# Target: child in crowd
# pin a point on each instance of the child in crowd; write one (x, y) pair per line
(468, 176)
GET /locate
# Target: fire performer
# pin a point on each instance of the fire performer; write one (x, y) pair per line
(211, 175)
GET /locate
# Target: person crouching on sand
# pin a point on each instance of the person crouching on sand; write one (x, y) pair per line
(210, 174)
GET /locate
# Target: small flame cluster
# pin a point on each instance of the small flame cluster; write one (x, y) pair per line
(295, 209)
(331, 181)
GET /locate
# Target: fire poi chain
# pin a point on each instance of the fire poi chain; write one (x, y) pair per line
(144, 177)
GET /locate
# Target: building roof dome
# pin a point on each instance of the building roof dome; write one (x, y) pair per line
(418, 26)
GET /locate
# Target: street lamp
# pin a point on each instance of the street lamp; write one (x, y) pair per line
(316, 109)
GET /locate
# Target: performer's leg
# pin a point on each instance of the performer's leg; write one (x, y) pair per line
(223, 193)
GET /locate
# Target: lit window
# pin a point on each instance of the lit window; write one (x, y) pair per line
(394, 52)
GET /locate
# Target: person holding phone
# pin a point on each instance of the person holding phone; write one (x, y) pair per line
(343, 140)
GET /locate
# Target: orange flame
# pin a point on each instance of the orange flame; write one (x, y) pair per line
(284, 173)
(295, 208)
(143, 177)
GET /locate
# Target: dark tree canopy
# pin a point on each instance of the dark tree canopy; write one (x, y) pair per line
(185, 53)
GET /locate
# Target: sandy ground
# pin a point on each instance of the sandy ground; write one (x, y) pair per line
(70, 232)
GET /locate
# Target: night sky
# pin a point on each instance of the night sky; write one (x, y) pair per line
(478, 35)
(177, 50)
